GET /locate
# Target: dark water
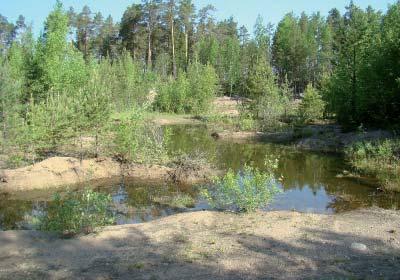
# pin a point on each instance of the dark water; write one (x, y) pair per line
(310, 183)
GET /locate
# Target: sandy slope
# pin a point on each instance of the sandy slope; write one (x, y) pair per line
(58, 172)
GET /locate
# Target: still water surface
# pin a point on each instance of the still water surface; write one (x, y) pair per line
(310, 183)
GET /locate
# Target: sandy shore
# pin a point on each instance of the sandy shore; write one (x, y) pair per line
(59, 172)
(213, 245)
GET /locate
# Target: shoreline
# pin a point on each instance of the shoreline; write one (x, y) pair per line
(216, 245)
(313, 138)
(59, 172)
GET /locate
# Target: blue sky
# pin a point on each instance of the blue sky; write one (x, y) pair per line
(244, 11)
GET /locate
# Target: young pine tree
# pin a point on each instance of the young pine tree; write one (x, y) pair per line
(312, 106)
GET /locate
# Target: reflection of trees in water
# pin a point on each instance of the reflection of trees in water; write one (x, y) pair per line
(150, 195)
(312, 170)
(13, 212)
(348, 200)
(299, 169)
(147, 202)
(191, 139)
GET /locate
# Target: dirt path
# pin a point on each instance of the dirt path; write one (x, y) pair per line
(211, 245)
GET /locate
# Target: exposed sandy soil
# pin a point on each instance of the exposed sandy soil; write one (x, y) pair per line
(59, 172)
(331, 138)
(174, 120)
(318, 138)
(212, 245)
(227, 106)
(238, 136)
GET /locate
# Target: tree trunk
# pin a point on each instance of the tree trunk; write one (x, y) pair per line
(173, 46)
(4, 116)
(85, 45)
(186, 46)
(133, 43)
(354, 80)
(149, 54)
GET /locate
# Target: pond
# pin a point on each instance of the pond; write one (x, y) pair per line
(310, 183)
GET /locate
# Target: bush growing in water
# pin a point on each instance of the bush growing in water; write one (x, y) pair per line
(246, 190)
(77, 212)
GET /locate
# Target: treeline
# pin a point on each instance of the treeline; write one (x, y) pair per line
(52, 98)
(351, 58)
(84, 67)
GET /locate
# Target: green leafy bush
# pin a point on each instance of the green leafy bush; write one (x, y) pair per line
(130, 85)
(189, 93)
(246, 120)
(270, 101)
(172, 95)
(203, 87)
(380, 159)
(77, 212)
(312, 106)
(132, 140)
(245, 191)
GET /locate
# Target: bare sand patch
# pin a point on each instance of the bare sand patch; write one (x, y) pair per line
(59, 172)
(215, 245)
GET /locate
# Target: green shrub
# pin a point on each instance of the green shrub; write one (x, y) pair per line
(380, 159)
(124, 140)
(367, 153)
(247, 124)
(127, 83)
(189, 93)
(312, 106)
(246, 120)
(203, 87)
(245, 191)
(133, 140)
(172, 95)
(271, 107)
(77, 212)
(15, 161)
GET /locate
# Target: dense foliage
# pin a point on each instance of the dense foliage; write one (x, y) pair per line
(77, 213)
(378, 158)
(190, 92)
(84, 69)
(312, 107)
(134, 141)
(247, 190)
(364, 86)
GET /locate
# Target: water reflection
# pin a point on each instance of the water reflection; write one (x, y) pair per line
(310, 183)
